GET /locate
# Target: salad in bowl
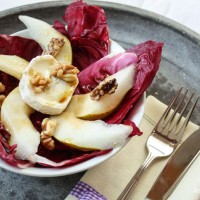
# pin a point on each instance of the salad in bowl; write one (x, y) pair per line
(70, 96)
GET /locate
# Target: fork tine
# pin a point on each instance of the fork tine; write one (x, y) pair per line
(166, 127)
(173, 129)
(183, 127)
(159, 125)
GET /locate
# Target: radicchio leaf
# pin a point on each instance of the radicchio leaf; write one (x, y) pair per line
(22, 47)
(19, 46)
(9, 82)
(108, 65)
(146, 66)
(136, 130)
(7, 152)
(87, 31)
(149, 54)
(67, 157)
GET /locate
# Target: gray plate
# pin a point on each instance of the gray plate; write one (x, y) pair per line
(180, 66)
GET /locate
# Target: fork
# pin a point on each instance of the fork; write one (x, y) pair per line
(164, 138)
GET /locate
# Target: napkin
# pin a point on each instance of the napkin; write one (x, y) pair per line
(107, 180)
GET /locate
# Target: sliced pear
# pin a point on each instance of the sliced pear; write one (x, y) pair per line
(13, 65)
(15, 117)
(86, 108)
(89, 135)
(56, 95)
(42, 32)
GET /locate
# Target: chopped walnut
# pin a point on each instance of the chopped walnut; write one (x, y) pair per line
(105, 87)
(2, 98)
(54, 46)
(2, 87)
(67, 73)
(48, 129)
(39, 82)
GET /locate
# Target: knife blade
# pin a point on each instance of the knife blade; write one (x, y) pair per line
(176, 168)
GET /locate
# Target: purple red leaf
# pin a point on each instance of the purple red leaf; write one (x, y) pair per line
(22, 47)
(87, 31)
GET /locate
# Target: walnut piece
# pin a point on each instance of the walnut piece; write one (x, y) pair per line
(2, 87)
(39, 82)
(2, 98)
(48, 129)
(54, 46)
(105, 87)
(67, 73)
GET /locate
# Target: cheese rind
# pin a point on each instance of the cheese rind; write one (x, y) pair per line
(53, 98)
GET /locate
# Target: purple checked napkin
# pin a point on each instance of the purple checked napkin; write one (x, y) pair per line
(83, 191)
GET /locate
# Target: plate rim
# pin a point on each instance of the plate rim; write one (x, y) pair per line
(172, 24)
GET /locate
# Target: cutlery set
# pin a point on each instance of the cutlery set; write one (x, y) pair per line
(176, 168)
(163, 142)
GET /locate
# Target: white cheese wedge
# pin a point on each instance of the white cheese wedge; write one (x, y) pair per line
(15, 117)
(43, 32)
(54, 98)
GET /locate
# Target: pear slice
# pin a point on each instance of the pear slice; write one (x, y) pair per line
(15, 117)
(89, 109)
(56, 92)
(43, 32)
(89, 135)
(13, 65)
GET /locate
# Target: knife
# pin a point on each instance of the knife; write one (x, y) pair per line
(176, 168)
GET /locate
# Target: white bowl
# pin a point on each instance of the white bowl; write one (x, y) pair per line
(135, 115)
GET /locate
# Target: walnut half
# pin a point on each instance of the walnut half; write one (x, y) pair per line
(54, 46)
(2, 87)
(39, 82)
(2, 96)
(67, 73)
(48, 129)
(105, 87)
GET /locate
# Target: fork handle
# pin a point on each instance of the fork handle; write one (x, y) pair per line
(134, 180)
